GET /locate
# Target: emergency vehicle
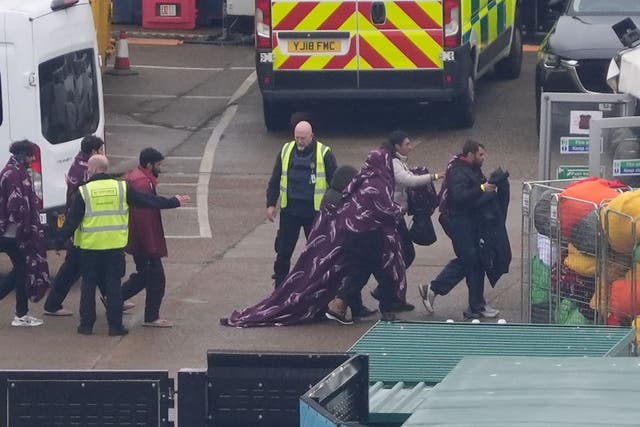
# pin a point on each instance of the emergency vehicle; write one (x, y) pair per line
(382, 50)
(50, 89)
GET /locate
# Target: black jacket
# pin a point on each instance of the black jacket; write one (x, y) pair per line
(75, 213)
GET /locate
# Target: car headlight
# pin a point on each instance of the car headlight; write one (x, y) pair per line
(550, 60)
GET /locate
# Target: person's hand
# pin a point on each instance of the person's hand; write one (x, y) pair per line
(183, 198)
(489, 187)
(271, 213)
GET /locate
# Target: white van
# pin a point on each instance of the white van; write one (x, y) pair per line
(51, 89)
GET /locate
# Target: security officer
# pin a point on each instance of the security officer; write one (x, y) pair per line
(300, 177)
(99, 214)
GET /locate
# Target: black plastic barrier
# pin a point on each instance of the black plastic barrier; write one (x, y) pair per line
(250, 389)
(85, 398)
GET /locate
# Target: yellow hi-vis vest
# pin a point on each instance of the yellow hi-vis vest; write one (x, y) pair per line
(321, 183)
(106, 215)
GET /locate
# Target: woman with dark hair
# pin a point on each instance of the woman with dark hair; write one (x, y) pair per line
(324, 264)
(21, 235)
(399, 145)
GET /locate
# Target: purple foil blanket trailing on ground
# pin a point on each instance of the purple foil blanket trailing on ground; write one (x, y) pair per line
(323, 265)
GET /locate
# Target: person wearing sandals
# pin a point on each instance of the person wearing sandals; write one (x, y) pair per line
(147, 243)
(71, 269)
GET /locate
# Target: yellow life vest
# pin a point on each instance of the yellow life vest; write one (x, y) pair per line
(105, 224)
(321, 183)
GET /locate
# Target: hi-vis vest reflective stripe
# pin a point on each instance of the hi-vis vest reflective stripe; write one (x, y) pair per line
(106, 215)
(321, 177)
(345, 36)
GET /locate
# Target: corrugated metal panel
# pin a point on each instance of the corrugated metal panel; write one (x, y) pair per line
(415, 352)
(399, 398)
(534, 391)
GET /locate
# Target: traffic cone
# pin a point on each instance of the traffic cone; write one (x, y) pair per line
(122, 65)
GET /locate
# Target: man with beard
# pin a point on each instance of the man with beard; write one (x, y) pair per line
(147, 243)
(465, 189)
(302, 172)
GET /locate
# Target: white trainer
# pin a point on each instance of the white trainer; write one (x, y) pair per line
(26, 321)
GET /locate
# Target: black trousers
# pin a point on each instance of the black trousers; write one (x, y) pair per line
(149, 275)
(16, 279)
(108, 267)
(286, 240)
(69, 273)
(466, 266)
(365, 253)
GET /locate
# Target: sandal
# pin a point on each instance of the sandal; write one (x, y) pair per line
(158, 323)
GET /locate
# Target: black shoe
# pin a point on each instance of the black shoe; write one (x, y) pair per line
(363, 311)
(342, 318)
(114, 332)
(85, 330)
(398, 307)
(387, 316)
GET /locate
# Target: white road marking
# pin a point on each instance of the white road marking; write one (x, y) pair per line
(242, 68)
(206, 166)
(162, 96)
(163, 67)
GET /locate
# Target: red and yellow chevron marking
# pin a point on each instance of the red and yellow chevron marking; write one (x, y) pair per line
(411, 37)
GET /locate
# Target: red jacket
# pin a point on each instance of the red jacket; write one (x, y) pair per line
(146, 235)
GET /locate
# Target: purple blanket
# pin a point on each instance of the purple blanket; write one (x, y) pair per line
(323, 265)
(19, 205)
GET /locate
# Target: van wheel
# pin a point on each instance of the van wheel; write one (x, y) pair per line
(276, 115)
(509, 67)
(463, 111)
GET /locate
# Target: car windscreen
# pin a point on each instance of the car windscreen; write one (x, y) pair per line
(604, 7)
(69, 107)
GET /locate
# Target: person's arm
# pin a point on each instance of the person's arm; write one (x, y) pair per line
(330, 165)
(149, 200)
(273, 189)
(72, 220)
(407, 178)
(462, 189)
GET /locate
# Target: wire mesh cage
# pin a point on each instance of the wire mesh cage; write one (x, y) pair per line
(565, 253)
(616, 299)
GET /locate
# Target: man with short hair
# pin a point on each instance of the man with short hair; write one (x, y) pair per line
(465, 189)
(99, 216)
(300, 177)
(71, 268)
(146, 241)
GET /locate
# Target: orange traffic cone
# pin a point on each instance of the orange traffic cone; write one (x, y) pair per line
(122, 66)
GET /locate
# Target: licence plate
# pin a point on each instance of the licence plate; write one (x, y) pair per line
(314, 46)
(168, 10)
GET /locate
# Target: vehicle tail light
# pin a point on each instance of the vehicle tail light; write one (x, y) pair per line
(263, 24)
(36, 175)
(451, 23)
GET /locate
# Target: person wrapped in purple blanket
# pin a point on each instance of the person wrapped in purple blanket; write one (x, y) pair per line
(323, 265)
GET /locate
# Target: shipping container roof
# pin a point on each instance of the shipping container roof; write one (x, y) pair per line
(534, 391)
(413, 352)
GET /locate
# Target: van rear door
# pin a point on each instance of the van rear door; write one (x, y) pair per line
(400, 43)
(314, 44)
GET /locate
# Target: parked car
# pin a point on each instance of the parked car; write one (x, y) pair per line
(575, 54)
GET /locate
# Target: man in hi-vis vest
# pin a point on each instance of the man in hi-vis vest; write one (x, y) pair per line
(99, 215)
(300, 177)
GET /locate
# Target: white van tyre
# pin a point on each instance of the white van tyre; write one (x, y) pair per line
(509, 67)
(276, 116)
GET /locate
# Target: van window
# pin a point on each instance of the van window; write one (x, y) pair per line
(68, 96)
